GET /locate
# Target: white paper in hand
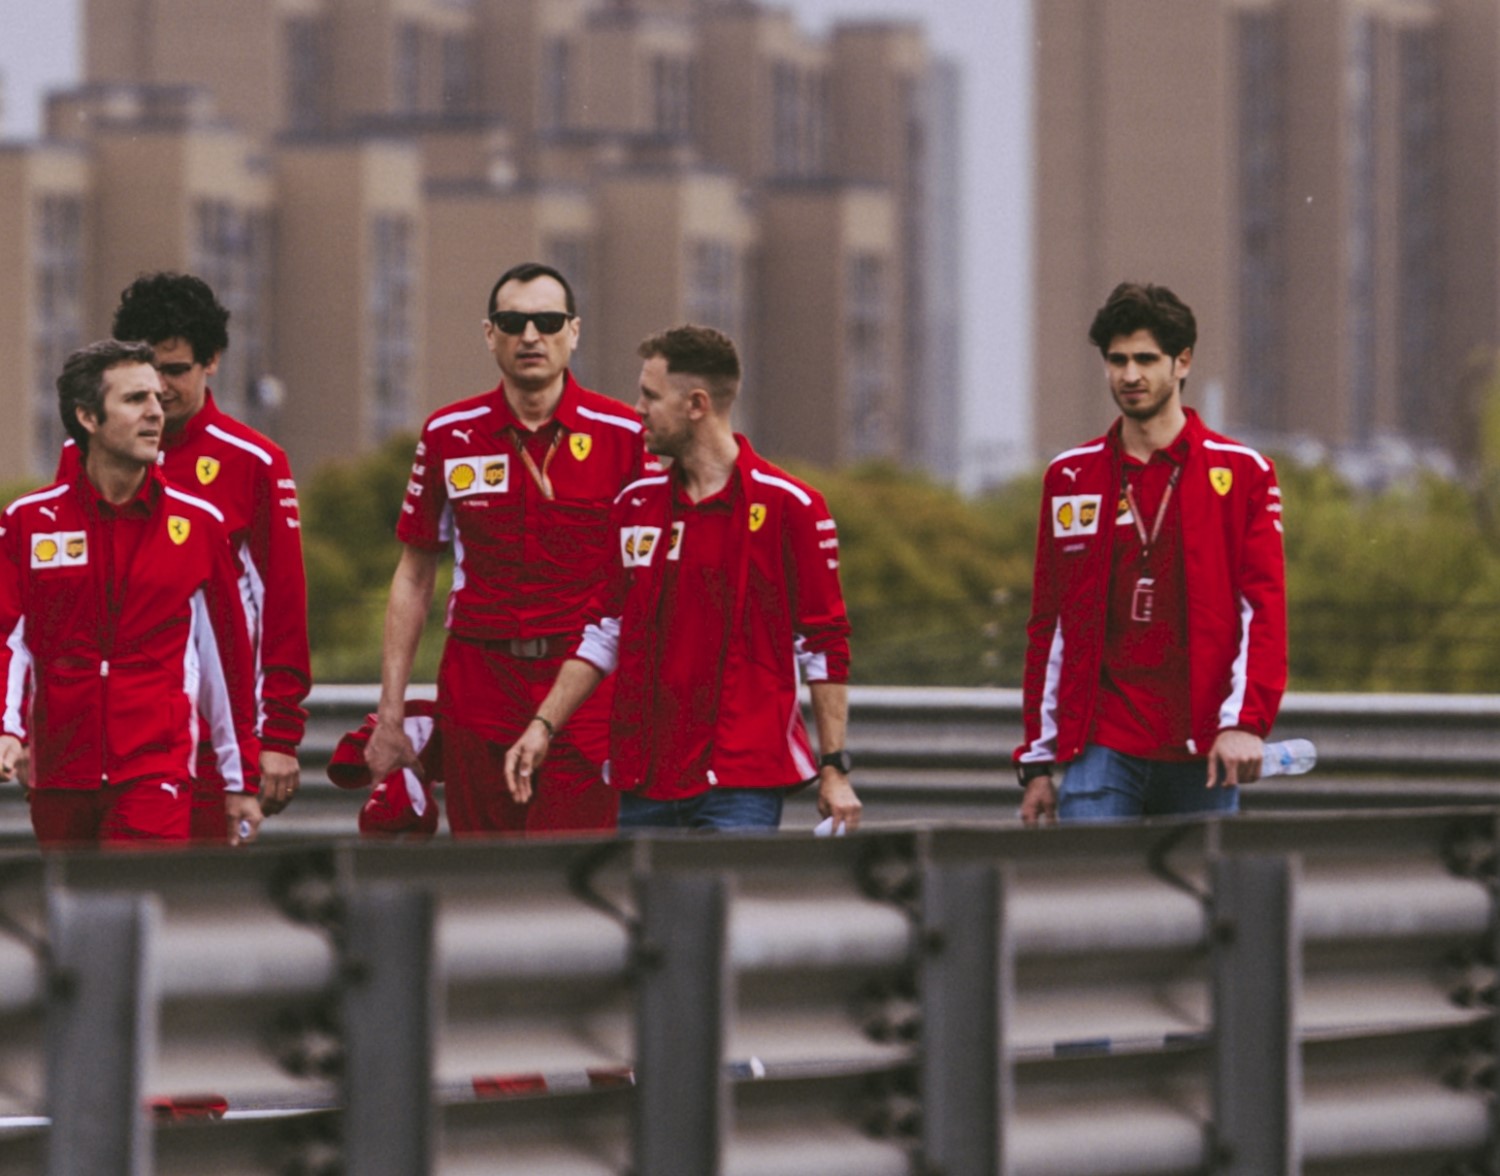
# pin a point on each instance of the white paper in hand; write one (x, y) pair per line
(826, 828)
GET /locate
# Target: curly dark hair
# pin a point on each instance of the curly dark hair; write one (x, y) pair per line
(1133, 307)
(165, 305)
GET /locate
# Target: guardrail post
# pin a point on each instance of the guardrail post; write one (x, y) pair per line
(389, 1017)
(101, 1033)
(683, 996)
(1257, 973)
(967, 980)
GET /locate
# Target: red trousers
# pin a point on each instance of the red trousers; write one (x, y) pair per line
(143, 811)
(485, 698)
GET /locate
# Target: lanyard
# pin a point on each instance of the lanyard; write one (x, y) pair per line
(1149, 541)
(539, 476)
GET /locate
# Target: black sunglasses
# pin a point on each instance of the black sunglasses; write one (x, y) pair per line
(513, 322)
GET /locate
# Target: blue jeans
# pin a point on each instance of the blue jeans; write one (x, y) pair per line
(1106, 785)
(718, 808)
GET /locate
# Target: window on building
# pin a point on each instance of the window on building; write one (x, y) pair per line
(672, 96)
(798, 120)
(714, 295)
(57, 323)
(869, 378)
(406, 67)
(307, 73)
(1420, 193)
(231, 251)
(1261, 390)
(1359, 241)
(458, 73)
(392, 324)
(556, 84)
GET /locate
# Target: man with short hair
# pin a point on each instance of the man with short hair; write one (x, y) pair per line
(519, 481)
(245, 474)
(724, 581)
(1157, 657)
(121, 628)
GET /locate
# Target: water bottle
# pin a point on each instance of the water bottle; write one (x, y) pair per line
(1290, 757)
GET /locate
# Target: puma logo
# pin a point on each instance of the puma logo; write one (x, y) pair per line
(50, 513)
(1070, 472)
(463, 434)
(637, 502)
(169, 787)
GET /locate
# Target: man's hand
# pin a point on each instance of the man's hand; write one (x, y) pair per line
(1235, 758)
(389, 748)
(242, 817)
(12, 758)
(1039, 803)
(524, 760)
(280, 777)
(836, 799)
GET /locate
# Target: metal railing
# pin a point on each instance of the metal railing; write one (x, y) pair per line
(1294, 994)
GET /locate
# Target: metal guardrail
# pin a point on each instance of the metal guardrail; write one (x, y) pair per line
(1294, 994)
(943, 754)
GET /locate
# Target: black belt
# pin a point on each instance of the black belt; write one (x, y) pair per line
(527, 648)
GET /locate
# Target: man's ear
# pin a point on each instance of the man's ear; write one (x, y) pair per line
(87, 419)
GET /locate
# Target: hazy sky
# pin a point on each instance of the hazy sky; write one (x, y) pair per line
(989, 38)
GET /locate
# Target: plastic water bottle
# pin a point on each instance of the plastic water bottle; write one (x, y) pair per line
(1290, 757)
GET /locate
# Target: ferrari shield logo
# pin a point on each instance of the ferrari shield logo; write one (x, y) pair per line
(207, 469)
(178, 528)
(579, 445)
(1222, 478)
(757, 515)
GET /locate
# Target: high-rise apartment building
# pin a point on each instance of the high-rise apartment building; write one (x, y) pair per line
(1318, 180)
(351, 176)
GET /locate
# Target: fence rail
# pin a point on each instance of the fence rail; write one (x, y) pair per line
(1274, 994)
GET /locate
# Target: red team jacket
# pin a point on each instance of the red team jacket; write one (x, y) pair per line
(525, 565)
(1234, 580)
(110, 683)
(247, 477)
(744, 729)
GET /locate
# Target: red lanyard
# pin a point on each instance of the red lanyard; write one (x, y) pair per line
(539, 476)
(1149, 541)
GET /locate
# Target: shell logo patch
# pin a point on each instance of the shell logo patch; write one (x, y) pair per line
(207, 469)
(638, 545)
(60, 549)
(757, 515)
(579, 445)
(178, 529)
(1221, 478)
(480, 474)
(1075, 514)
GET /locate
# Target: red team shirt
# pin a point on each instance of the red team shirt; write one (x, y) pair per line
(711, 609)
(246, 476)
(121, 629)
(527, 560)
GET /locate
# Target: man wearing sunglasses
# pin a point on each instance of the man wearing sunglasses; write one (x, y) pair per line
(247, 477)
(519, 482)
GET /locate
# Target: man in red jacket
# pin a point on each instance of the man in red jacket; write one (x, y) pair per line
(1156, 657)
(121, 628)
(518, 481)
(245, 474)
(724, 581)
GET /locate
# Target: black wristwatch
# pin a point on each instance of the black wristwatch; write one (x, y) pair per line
(840, 759)
(1026, 773)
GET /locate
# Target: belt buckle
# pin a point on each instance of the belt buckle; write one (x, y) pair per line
(529, 649)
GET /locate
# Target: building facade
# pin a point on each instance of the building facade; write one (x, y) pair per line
(1318, 180)
(351, 175)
